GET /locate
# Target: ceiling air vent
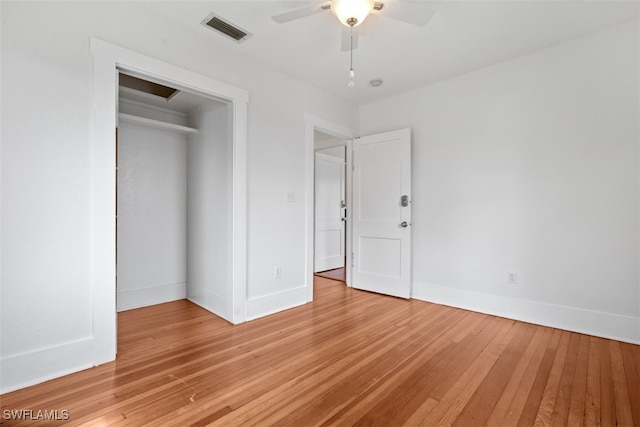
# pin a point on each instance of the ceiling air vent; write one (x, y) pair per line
(226, 28)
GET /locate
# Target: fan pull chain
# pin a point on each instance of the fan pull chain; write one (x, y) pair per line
(352, 74)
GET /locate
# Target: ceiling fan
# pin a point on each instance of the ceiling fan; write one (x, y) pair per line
(352, 13)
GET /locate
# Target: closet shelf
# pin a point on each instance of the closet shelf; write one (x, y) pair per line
(156, 124)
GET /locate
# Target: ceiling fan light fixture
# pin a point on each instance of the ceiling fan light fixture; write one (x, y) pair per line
(351, 12)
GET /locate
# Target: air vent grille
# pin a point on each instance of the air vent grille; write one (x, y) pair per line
(226, 28)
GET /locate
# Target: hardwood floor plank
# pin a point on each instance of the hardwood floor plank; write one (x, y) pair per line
(632, 376)
(531, 406)
(562, 402)
(579, 384)
(348, 358)
(592, 398)
(607, 403)
(624, 416)
(548, 400)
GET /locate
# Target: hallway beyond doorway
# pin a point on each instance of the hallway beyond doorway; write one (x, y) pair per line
(335, 274)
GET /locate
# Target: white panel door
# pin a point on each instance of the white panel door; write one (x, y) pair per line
(382, 213)
(329, 222)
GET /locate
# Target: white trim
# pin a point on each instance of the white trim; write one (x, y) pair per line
(134, 62)
(237, 308)
(312, 123)
(276, 302)
(211, 302)
(44, 364)
(136, 298)
(590, 322)
(26, 369)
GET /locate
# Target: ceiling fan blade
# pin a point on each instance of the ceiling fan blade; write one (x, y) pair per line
(346, 38)
(410, 13)
(301, 13)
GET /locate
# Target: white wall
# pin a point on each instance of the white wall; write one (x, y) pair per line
(530, 165)
(209, 207)
(152, 216)
(46, 170)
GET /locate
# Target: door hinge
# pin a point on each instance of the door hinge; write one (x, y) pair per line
(352, 259)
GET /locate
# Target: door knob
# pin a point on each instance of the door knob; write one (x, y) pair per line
(404, 224)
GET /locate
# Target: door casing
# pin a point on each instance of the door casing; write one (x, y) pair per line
(107, 60)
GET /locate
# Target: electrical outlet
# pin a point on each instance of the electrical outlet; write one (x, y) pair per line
(512, 278)
(277, 272)
(290, 197)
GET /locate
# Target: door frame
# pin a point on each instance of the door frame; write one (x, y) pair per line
(313, 123)
(108, 59)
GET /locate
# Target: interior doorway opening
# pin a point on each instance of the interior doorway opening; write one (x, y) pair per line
(330, 196)
(174, 195)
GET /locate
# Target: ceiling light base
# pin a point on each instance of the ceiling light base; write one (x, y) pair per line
(348, 10)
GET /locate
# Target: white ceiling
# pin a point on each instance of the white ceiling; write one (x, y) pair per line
(462, 36)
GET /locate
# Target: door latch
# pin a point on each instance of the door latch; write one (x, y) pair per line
(404, 201)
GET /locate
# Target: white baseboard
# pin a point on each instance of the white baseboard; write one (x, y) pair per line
(273, 303)
(27, 369)
(590, 322)
(217, 304)
(143, 297)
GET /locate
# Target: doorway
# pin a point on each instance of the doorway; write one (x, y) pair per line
(323, 130)
(330, 206)
(378, 258)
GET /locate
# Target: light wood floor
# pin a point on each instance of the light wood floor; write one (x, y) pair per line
(335, 274)
(349, 358)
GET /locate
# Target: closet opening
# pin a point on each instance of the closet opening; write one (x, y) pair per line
(174, 195)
